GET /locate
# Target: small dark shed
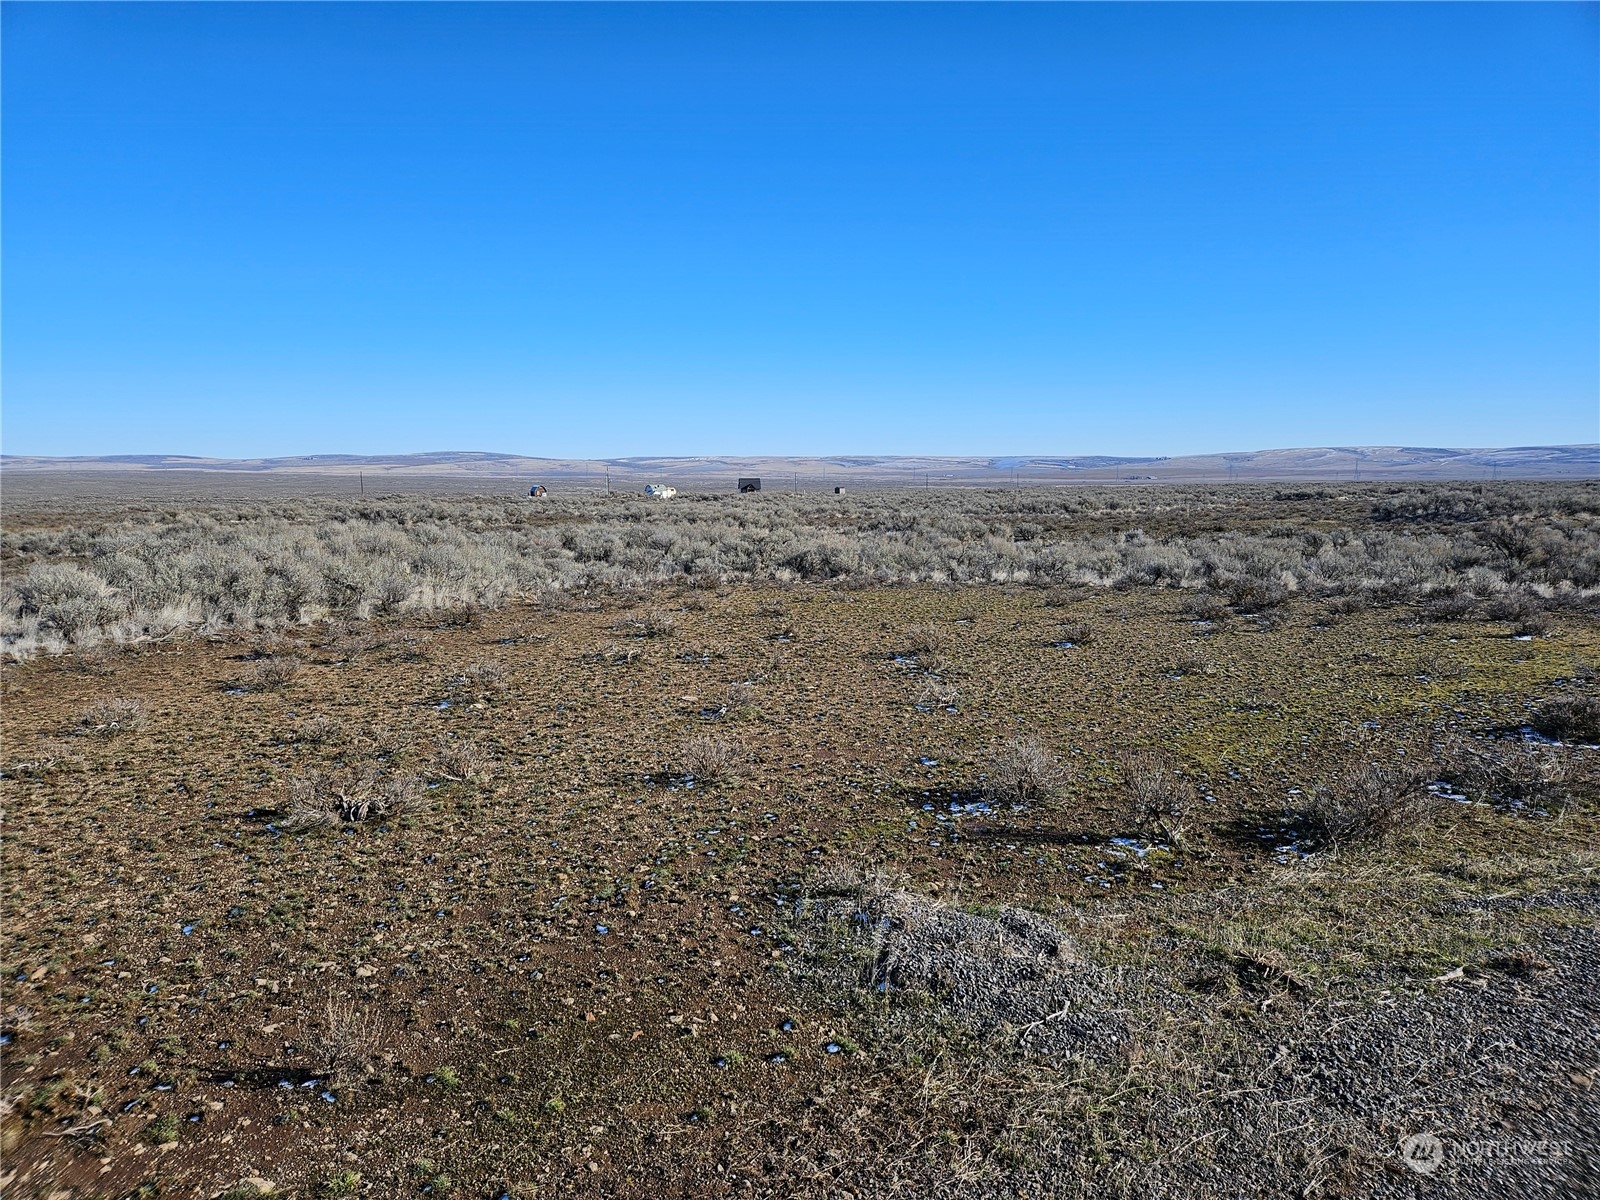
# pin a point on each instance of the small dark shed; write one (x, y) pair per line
(537, 490)
(838, 491)
(752, 484)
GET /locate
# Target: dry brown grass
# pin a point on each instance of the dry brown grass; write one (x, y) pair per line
(615, 654)
(1520, 962)
(321, 799)
(936, 693)
(569, 835)
(99, 660)
(461, 760)
(657, 623)
(347, 643)
(1441, 665)
(111, 716)
(317, 730)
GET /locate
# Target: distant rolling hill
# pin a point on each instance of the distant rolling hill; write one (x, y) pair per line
(462, 468)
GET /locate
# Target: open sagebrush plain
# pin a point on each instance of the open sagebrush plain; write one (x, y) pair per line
(1183, 842)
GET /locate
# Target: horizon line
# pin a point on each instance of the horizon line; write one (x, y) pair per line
(1345, 448)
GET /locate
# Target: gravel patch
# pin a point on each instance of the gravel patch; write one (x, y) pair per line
(1484, 1086)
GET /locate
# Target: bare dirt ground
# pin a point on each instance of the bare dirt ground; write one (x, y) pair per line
(569, 969)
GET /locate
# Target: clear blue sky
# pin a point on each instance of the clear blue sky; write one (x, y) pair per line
(605, 230)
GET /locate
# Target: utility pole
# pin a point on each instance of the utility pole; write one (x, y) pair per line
(361, 478)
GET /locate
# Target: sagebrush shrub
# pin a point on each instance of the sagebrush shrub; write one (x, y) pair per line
(1569, 719)
(1516, 607)
(1160, 799)
(1076, 633)
(1371, 803)
(1205, 606)
(276, 672)
(346, 1042)
(615, 655)
(1023, 772)
(305, 560)
(1451, 606)
(468, 615)
(317, 730)
(1498, 769)
(1253, 594)
(1349, 604)
(486, 677)
(707, 757)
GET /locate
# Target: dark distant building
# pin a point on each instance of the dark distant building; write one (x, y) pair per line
(750, 485)
(838, 491)
(537, 490)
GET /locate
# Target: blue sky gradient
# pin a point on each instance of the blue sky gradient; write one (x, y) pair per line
(680, 229)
